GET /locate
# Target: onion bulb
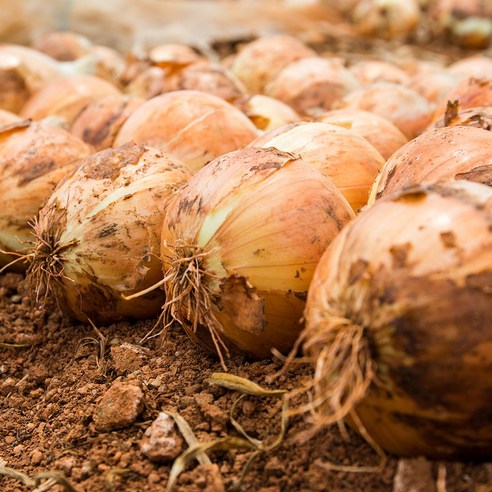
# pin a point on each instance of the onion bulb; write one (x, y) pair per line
(97, 237)
(101, 120)
(469, 93)
(194, 126)
(369, 71)
(67, 97)
(267, 113)
(404, 107)
(259, 62)
(477, 66)
(173, 55)
(346, 158)
(452, 152)
(434, 85)
(34, 159)
(312, 85)
(383, 135)
(63, 45)
(386, 18)
(239, 244)
(399, 323)
(6, 117)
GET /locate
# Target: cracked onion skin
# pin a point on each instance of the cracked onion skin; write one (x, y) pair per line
(97, 237)
(412, 276)
(459, 152)
(239, 244)
(34, 158)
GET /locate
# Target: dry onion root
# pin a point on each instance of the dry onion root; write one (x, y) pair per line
(239, 244)
(399, 323)
(97, 237)
(443, 153)
(383, 135)
(34, 158)
(193, 126)
(100, 121)
(346, 158)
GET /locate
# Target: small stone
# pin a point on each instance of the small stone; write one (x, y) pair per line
(274, 467)
(19, 449)
(208, 478)
(119, 407)
(161, 442)
(66, 464)
(36, 457)
(10, 440)
(414, 475)
(127, 357)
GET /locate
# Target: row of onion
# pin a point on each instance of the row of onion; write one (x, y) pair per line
(239, 231)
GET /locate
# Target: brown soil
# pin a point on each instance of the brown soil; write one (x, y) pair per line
(53, 380)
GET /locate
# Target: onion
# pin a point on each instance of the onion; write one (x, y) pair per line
(6, 117)
(101, 120)
(346, 158)
(434, 86)
(467, 22)
(404, 107)
(386, 18)
(97, 237)
(312, 85)
(469, 93)
(369, 71)
(383, 135)
(173, 55)
(109, 64)
(399, 322)
(67, 97)
(239, 243)
(267, 113)
(478, 66)
(34, 158)
(194, 126)
(259, 62)
(63, 45)
(452, 152)
(204, 76)
(477, 117)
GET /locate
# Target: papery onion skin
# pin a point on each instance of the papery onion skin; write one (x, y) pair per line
(346, 158)
(412, 276)
(67, 97)
(194, 126)
(443, 153)
(34, 159)
(97, 237)
(480, 117)
(99, 122)
(312, 85)
(253, 223)
(404, 107)
(259, 62)
(477, 66)
(383, 135)
(63, 45)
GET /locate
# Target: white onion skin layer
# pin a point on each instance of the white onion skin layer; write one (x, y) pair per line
(98, 234)
(414, 271)
(260, 219)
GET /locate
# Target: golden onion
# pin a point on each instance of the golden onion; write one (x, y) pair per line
(194, 126)
(460, 152)
(348, 159)
(239, 244)
(477, 66)
(383, 135)
(369, 71)
(67, 97)
(63, 45)
(312, 85)
(34, 158)
(259, 62)
(404, 107)
(97, 237)
(434, 85)
(101, 120)
(399, 323)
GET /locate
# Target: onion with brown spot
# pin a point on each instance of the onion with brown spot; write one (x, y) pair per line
(346, 158)
(239, 244)
(34, 158)
(452, 152)
(399, 323)
(193, 126)
(97, 237)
